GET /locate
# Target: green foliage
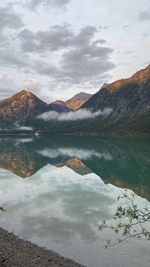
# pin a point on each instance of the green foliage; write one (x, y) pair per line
(2, 209)
(130, 220)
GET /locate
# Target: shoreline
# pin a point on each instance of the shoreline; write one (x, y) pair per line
(19, 253)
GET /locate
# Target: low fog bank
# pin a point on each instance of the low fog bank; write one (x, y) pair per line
(74, 115)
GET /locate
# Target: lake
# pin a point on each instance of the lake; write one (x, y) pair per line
(58, 190)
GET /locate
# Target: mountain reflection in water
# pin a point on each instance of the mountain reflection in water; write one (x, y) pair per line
(125, 164)
(70, 184)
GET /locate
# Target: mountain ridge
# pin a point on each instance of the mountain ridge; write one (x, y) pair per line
(22, 104)
(128, 99)
(74, 102)
(137, 77)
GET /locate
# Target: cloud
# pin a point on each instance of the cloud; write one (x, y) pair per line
(47, 3)
(10, 58)
(56, 207)
(59, 57)
(10, 24)
(45, 68)
(73, 115)
(24, 140)
(82, 57)
(10, 54)
(126, 26)
(8, 86)
(9, 19)
(22, 128)
(55, 38)
(32, 85)
(74, 152)
(85, 63)
(129, 52)
(25, 128)
(144, 15)
(6, 82)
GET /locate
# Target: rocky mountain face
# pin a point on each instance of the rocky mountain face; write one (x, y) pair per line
(75, 102)
(129, 103)
(129, 100)
(110, 94)
(24, 106)
(78, 100)
(76, 165)
(21, 105)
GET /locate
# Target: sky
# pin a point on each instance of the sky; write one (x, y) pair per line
(58, 48)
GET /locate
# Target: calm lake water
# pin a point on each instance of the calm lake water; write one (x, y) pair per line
(56, 192)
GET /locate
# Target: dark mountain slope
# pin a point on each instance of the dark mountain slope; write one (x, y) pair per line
(58, 107)
(129, 100)
(124, 95)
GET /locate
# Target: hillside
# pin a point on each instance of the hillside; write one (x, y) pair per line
(21, 105)
(128, 101)
(75, 102)
(24, 106)
(78, 100)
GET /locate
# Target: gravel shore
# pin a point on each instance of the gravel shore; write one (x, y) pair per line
(15, 252)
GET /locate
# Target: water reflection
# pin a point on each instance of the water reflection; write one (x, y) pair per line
(69, 188)
(125, 164)
(130, 220)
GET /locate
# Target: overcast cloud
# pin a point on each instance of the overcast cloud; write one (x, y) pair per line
(9, 19)
(47, 3)
(61, 47)
(144, 15)
(82, 58)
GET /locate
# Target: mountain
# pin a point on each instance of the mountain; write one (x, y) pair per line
(59, 106)
(78, 100)
(60, 102)
(76, 165)
(75, 102)
(21, 105)
(111, 94)
(24, 106)
(128, 103)
(129, 100)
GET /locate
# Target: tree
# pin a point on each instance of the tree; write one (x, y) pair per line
(2, 209)
(130, 221)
